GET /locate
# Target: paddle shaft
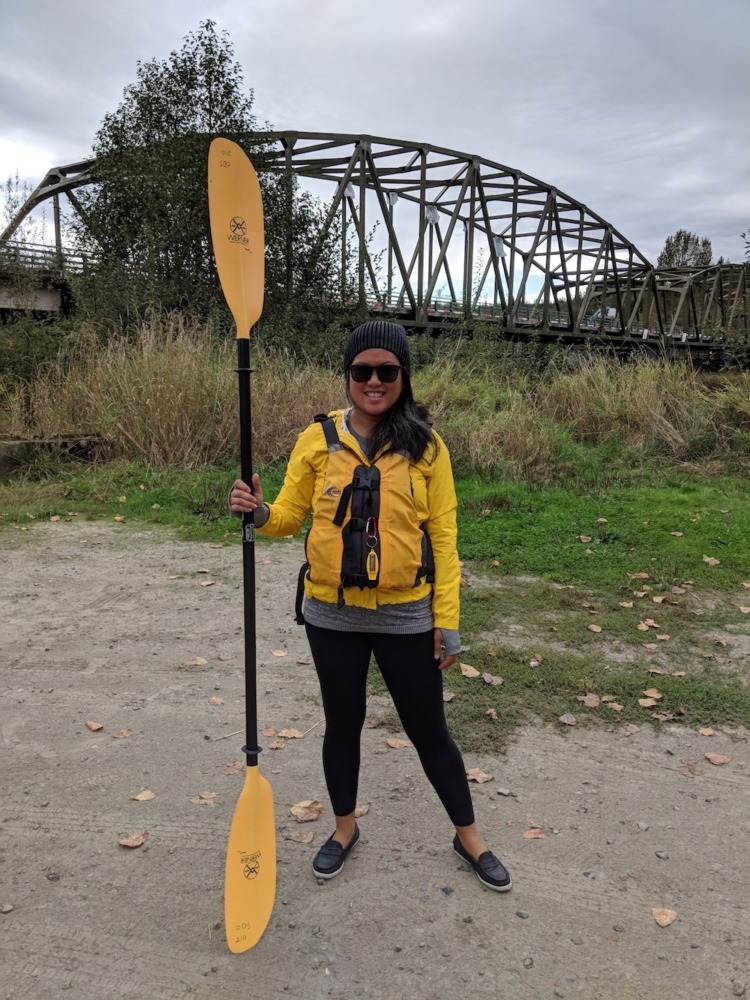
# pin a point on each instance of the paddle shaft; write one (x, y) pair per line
(251, 748)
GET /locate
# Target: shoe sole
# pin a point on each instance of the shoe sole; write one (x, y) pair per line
(489, 885)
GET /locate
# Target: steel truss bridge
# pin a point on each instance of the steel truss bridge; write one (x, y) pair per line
(434, 237)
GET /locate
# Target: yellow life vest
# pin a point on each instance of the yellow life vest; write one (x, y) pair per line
(366, 531)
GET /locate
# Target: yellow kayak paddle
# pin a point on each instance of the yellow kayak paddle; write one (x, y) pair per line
(236, 211)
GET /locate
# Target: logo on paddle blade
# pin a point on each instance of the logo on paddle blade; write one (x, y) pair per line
(237, 230)
(251, 865)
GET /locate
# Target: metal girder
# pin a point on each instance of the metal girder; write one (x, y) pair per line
(528, 255)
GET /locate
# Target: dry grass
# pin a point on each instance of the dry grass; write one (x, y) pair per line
(168, 395)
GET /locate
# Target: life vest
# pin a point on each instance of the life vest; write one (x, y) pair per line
(365, 530)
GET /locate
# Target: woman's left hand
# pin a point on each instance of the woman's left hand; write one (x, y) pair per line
(444, 661)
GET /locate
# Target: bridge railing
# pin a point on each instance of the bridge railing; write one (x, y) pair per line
(18, 255)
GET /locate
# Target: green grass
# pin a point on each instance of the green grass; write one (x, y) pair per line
(531, 580)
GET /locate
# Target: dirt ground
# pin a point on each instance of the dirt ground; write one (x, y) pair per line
(98, 622)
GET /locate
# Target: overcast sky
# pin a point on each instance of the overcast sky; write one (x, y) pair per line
(638, 108)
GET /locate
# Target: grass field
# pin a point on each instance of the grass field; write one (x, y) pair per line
(560, 585)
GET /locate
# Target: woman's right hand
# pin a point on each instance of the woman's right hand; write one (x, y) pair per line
(243, 500)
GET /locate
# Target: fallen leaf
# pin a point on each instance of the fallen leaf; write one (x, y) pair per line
(478, 775)
(533, 834)
(492, 714)
(119, 517)
(264, 562)
(662, 716)
(711, 561)
(646, 702)
(199, 661)
(642, 627)
(719, 640)
(94, 726)
(585, 538)
(268, 731)
(468, 671)
(202, 570)
(55, 517)
(145, 796)
(568, 719)
(141, 486)
(304, 660)
(677, 590)
(216, 701)
(639, 593)
(630, 727)
(122, 499)
(679, 673)
(233, 767)
(307, 811)
(204, 799)
(626, 604)
(601, 520)
(449, 695)
(662, 916)
(706, 731)
(652, 693)
(677, 534)
(135, 839)
(279, 652)
(658, 599)
(615, 706)
(464, 581)
(300, 836)
(173, 577)
(745, 584)
(650, 645)
(608, 697)
(491, 679)
(223, 657)
(590, 700)
(276, 745)
(491, 651)
(655, 670)
(155, 506)
(494, 562)
(371, 723)
(651, 623)
(218, 545)
(640, 576)
(745, 611)
(397, 744)
(595, 628)
(690, 769)
(717, 758)
(361, 809)
(122, 734)
(207, 583)
(290, 734)
(662, 638)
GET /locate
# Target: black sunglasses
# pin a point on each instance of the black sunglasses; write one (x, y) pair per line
(386, 373)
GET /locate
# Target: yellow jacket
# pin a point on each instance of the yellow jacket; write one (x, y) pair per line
(435, 501)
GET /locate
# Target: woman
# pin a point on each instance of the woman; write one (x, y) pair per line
(382, 578)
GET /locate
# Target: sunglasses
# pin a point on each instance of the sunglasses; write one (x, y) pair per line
(363, 373)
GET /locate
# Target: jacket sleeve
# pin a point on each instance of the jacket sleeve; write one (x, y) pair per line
(291, 507)
(443, 532)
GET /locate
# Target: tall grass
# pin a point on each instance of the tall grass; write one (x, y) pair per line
(168, 395)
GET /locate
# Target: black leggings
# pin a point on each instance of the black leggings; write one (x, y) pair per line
(416, 686)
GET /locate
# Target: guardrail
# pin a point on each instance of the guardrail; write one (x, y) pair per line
(17, 255)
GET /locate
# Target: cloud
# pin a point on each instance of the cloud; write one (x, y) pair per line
(637, 109)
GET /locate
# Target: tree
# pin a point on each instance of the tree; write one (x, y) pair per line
(746, 237)
(685, 249)
(146, 216)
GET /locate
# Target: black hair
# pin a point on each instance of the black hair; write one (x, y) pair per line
(405, 428)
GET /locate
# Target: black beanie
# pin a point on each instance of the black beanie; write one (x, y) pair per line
(378, 333)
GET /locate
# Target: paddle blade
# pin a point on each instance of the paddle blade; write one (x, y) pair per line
(250, 877)
(235, 207)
